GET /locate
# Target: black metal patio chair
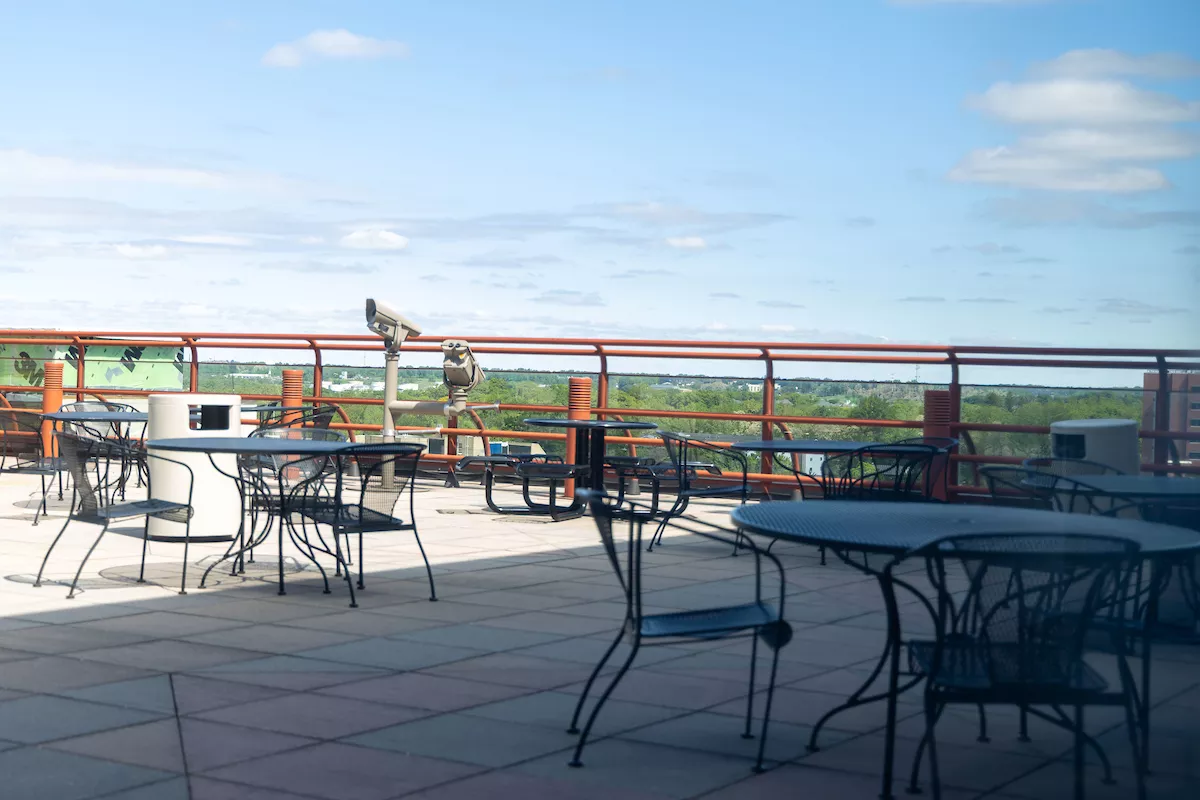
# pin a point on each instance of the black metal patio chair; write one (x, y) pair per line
(97, 503)
(1013, 614)
(688, 472)
(878, 473)
(370, 482)
(22, 453)
(1017, 487)
(756, 619)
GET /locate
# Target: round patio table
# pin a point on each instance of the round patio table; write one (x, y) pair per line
(1139, 487)
(115, 417)
(253, 483)
(893, 529)
(589, 440)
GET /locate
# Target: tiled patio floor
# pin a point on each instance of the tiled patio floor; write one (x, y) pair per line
(235, 692)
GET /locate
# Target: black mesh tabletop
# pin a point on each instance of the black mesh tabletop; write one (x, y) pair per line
(258, 445)
(820, 446)
(591, 424)
(98, 416)
(1141, 486)
(896, 528)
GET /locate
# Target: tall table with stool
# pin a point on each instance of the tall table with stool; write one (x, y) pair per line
(857, 531)
(589, 445)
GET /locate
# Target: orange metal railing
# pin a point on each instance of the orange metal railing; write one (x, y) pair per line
(597, 352)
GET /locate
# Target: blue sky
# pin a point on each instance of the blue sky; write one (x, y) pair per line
(945, 171)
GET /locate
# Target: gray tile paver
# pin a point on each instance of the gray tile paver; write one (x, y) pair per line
(418, 690)
(43, 718)
(316, 716)
(153, 744)
(33, 773)
(475, 740)
(344, 772)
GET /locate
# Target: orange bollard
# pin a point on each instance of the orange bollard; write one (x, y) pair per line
(292, 394)
(52, 399)
(579, 406)
(937, 424)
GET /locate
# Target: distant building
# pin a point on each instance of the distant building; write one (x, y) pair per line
(404, 387)
(1183, 413)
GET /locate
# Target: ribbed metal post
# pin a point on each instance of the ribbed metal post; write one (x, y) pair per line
(52, 398)
(579, 406)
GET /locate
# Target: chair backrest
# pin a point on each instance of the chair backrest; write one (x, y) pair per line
(684, 453)
(1069, 466)
(386, 471)
(1027, 601)
(96, 466)
(305, 466)
(877, 473)
(1018, 487)
(20, 438)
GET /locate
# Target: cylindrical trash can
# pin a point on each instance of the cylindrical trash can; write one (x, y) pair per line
(215, 501)
(1112, 442)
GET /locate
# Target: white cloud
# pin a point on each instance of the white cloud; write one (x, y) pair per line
(1032, 169)
(1101, 63)
(312, 240)
(338, 44)
(138, 251)
(686, 242)
(569, 297)
(374, 239)
(24, 167)
(1121, 144)
(1082, 102)
(216, 239)
(778, 328)
(1094, 134)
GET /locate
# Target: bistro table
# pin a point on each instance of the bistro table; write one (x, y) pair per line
(1154, 488)
(265, 446)
(893, 529)
(589, 440)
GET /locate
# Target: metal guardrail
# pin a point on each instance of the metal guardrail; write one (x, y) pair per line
(1163, 362)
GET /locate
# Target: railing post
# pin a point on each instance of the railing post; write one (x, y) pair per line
(52, 398)
(938, 412)
(292, 394)
(80, 377)
(768, 409)
(1162, 413)
(579, 406)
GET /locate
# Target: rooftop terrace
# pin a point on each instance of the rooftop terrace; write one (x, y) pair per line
(135, 692)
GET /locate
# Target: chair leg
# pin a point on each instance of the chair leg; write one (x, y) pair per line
(587, 687)
(53, 544)
(762, 739)
(914, 778)
(145, 545)
(587, 729)
(676, 508)
(360, 561)
(428, 569)
(931, 715)
(1131, 728)
(187, 537)
(983, 730)
(78, 572)
(1077, 760)
(1023, 736)
(746, 734)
